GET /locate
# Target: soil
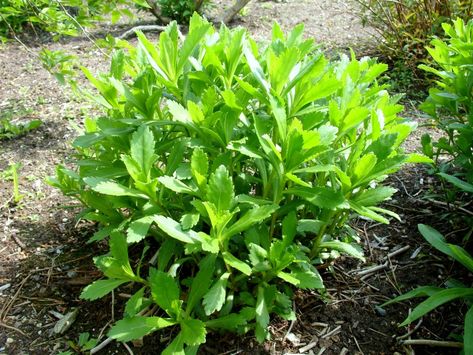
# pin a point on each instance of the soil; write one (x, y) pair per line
(45, 262)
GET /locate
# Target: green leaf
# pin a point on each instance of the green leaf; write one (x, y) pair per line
(220, 189)
(201, 282)
(303, 279)
(323, 197)
(110, 187)
(374, 196)
(176, 185)
(174, 230)
(262, 316)
(199, 168)
(229, 322)
(366, 212)
(236, 263)
(438, 241)
(137, 327)
(193, 331)
(189, 220)
(100, 288)
(138, 229)
(215, 298)
(136, 303)
(468, 332)
(142, 148)
(164, 289)
(176, 347)
(364, 166)
(255, 215)
(457, 182)
(119, 247)
(436, 300)
(344, 248)
(424, 291)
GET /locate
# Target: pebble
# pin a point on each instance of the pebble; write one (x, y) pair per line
(10, 341)
(380, 311)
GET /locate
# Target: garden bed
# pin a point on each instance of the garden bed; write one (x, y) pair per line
(45, 262)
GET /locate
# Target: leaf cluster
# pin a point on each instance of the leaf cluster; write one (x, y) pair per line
(223, 174)
(450, 102)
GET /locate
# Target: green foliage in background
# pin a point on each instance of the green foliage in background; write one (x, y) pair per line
(179, 10)
(63, 17)
(437, 296)
(406, 27)
(450, 102)
(222, 174)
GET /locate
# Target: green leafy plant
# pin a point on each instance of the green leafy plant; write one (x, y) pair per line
(12, 173)
(406, 27)
(9, 130)
(450, 103)
(10, 127)
(437, 296)
(180, 10)
(58, 17)
(223, 175)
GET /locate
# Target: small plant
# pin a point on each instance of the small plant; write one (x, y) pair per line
(9, 128)
(450, 103)
(223, 174)
(437, 296)
(12, 173)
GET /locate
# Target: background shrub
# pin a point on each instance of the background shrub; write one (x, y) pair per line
(406, 28)
(450, 102)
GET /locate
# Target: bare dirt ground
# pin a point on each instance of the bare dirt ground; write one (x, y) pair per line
(45, 262)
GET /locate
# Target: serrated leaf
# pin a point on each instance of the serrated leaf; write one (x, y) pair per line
(100, 288)
(189, 220)
(138, 229)
(136, 303)
(164, 289)
(137, 327)
(142, 148)
(220, 189)
(193, 331)
(215, 297)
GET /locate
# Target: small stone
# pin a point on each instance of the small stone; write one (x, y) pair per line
(380, 311)
(10, 341)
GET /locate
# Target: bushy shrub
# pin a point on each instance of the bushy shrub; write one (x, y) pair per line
(450, 103)
(223, 174)
(57, 17)
(406, 27)
(179, 10)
